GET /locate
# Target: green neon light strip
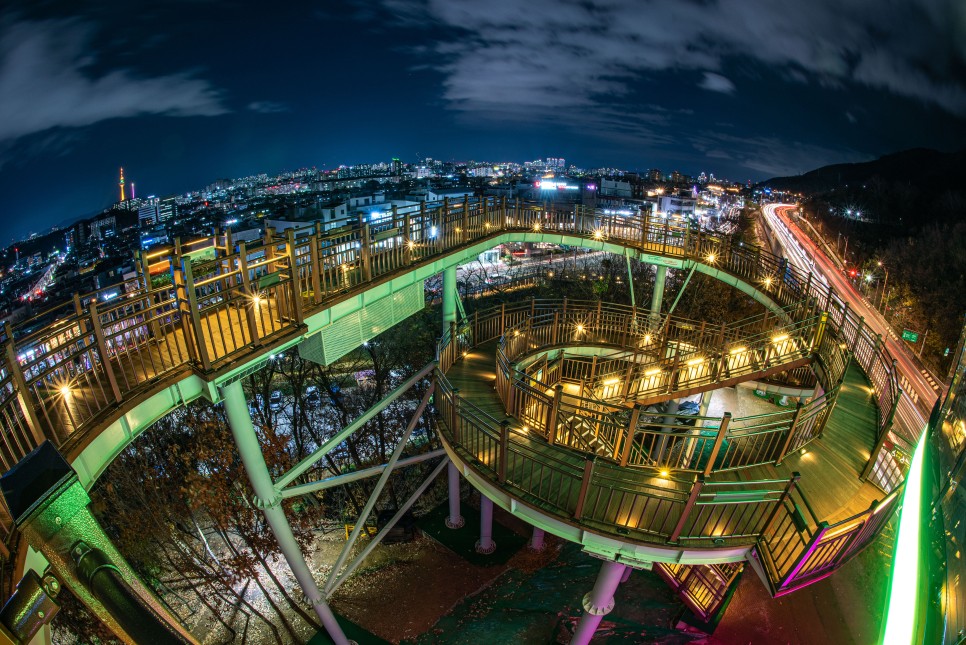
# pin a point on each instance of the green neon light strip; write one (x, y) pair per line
(904, 588)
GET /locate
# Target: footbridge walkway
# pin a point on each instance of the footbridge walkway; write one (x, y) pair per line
(89, 376)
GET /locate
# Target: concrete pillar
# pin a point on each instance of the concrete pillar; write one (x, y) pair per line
(455, 520)
(536, 540)
(599, 602)
(627, 575)
(486, 545)
(657, 297)
(269, 500)
(705, 403)
(449, 297)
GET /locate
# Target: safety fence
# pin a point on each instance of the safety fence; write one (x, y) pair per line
(204, 303)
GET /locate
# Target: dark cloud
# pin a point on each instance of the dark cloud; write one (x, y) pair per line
(501, 57)
(46, 81)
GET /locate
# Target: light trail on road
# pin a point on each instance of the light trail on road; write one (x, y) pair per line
(807, 256)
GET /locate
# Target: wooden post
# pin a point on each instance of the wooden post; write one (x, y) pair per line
(556, 328)
(22, 391)
(791, 434)
(102, 350)
(813, 545)
(253, 293)
(688, 506)
(79, 312)
(144, 271)
(293, 269)
(722, 431)
(316, 264)
(364, 254)
(408, 238)
(504, 450)
(629, 436)
(883, 435)
(455, 418)
(792, 482)
(585, 486)
(553, 413)
(191, 300)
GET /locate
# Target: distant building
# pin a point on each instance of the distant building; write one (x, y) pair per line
(167, 209)
(681, 204)
(614, 188)
(103, 227)
(148, 212)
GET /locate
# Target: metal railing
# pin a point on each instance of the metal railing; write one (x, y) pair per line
(797, 549)
(654, 366)
(67, 369)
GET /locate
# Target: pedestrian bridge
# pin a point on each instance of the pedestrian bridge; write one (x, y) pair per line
(202, 314)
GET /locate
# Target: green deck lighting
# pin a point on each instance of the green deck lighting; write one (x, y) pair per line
(904, 587)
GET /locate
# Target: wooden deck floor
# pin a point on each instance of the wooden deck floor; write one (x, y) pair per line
(829, 469)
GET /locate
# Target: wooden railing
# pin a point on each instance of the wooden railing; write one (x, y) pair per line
(796, 549)
(204, 303)
(625, 432)
(702, 587)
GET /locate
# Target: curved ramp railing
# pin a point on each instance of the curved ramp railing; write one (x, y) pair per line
(202, 304)
(629, 434)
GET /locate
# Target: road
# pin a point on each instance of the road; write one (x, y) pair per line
(806, 255)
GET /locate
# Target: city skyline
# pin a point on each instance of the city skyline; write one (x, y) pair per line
(746, 92)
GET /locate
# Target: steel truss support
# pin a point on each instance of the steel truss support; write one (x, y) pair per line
(449, 297)
(365, 473)
(333, 585)
(341, 436)
(376, 491)
(657, 296)
(681, 291)
(269, 500)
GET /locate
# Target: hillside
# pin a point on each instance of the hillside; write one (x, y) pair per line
(928, 170)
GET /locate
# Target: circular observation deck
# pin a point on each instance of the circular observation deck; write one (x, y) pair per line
(570, 415)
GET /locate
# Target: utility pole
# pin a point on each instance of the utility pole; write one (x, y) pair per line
(923, 346)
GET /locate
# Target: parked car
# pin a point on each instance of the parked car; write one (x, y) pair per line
(275, 401)
(313, 398)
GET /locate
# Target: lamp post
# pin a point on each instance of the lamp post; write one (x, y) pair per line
(884, 284)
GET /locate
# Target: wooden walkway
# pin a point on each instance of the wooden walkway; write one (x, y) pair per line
(829, 469)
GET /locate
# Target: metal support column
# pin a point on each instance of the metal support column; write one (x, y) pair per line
(449, 297)
(657, 296)
(455, 520)
(599, 602)
(269, 500)
(536, 540)
(486, 545)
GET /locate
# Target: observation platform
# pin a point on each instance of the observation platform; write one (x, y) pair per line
(90, 378)
(830, 468)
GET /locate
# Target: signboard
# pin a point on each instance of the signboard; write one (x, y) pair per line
(911, 336)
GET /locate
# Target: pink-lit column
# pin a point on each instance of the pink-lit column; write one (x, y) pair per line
(455, 520)
(599, 602)
(486, 545)
(536, 540)
(627, 574)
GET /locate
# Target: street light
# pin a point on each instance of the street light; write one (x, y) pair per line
(884, 283)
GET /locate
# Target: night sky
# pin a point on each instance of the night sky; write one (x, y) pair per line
(182, 93)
